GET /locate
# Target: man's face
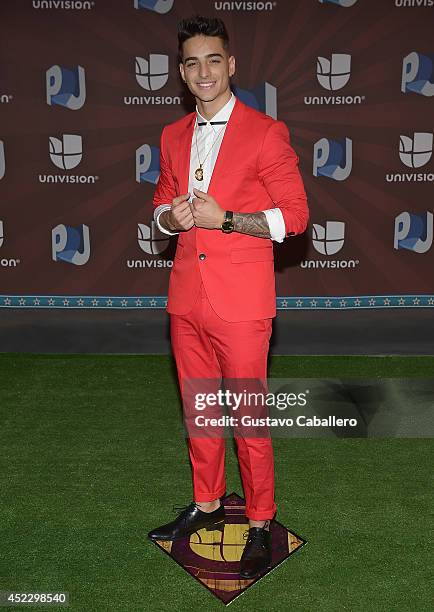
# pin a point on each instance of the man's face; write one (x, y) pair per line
(206, 67)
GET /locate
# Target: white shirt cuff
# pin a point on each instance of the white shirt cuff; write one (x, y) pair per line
(157, 213)
(276, 224)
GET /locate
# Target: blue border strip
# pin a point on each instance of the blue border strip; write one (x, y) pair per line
(347, 302)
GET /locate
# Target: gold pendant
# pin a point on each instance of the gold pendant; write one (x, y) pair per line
(199, 174)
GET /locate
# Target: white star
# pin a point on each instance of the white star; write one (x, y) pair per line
(152, 302)
(109, 302)
(94, 302)
(7, 301)
(22, 302)
(124, 303)
(357, 302)
(401, 301)
(284, 303)
(372, 302)
(387, 302)
(313, 303)
(431, 301)
(299, 303)
(343, 303)
(328, 303)
(80, 302)
(165, 303)
(416, 301)
(36, 302)
(51, 302)
(138, 302)
(66, 302)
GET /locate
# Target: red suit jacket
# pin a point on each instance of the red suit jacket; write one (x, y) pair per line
(256, 169)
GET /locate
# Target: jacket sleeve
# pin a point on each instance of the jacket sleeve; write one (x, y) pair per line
(278, 172)
(166, 190)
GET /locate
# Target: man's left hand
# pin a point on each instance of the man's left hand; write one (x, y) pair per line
(206, 211)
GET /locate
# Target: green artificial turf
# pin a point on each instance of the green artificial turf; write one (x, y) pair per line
(93, 456)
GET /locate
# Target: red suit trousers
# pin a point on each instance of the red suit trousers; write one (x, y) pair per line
(206, 346)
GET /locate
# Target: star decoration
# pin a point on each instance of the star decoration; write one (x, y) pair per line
(401, 301)
(386, 302)
(94, 302)
(80, 302)
(66, 302)
(357, 302)
(138, 302)
(51, 302)
(22, 302)
(328, 303)
(416, 301)
(109, 302)
(299, 303)
(152, 302)
(372, 302)
(342, 303)
(36, 302)
(313, 303)
(7, 302)
(124, 303)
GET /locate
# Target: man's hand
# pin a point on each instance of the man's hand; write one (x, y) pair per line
(179, 217)
(206, 211)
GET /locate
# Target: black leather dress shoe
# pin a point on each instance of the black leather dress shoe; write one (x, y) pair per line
(256, 555)
(190, 520)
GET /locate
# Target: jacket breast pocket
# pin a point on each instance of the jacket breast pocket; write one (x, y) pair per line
(252, 255)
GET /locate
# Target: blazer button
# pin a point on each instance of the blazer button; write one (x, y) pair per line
(202, 256)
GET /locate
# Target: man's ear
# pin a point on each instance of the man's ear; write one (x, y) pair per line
(231, 65)
(181, 70)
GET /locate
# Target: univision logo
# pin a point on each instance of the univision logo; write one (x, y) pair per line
(413, 3)
(152, 74)
(414, 152)
(244, 6)
(329, 240)
(5, 262)
(63, 4)
(333, 74)
(66, 153)
(152, 242)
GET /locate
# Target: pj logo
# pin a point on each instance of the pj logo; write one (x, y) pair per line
(147, 164)
(418, 74)
(70, 244)
(344, 3)
(262, 98)
(158, 6)
(66, 87)
(413, 232)
(333, 158)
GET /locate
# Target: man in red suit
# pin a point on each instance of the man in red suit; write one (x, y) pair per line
(229, 185)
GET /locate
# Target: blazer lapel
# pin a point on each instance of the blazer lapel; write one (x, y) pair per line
(225, 155)
(184, 153)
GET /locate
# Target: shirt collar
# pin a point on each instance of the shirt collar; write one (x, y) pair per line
(223, 114)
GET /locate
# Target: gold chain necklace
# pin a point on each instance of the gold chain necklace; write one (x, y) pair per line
(198, 173)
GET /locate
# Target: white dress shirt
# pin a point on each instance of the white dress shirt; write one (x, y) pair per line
(209, 138)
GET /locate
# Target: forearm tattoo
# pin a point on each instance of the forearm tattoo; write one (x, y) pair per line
(254, 224)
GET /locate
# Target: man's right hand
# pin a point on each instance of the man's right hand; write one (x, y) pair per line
(179, 217)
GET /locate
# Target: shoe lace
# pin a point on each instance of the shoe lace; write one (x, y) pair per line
(255, 538)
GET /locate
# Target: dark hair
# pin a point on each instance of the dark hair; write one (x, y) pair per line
(207, 26)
